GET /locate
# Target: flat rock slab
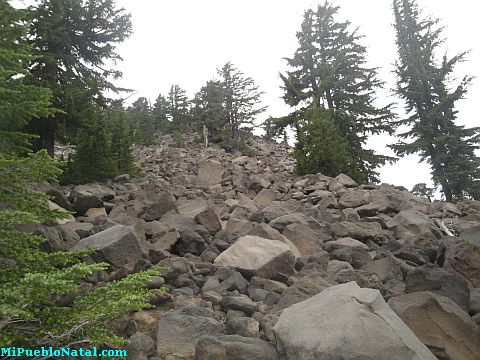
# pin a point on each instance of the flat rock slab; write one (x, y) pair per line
(118, 245)
(234, 347)
(178, 332)
(253, 255)
(210, 172)
(440, 324)
(346, 322)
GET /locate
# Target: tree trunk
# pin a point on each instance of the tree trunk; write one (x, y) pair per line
(45, 130)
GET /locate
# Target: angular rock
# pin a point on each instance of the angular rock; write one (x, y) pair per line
(266, 196)
(440, 324)
(84, 202)
(252, 255)
(190, 243)
(346, 322)
(238, 226)
(241, 303)
(163, 205)
(210, 172)
(283, 221)
(304, 288)
(464, 260)
(117, 245)
(441, 282)
(474, 302)
(234, 347)
(304, 238)
(243, 326)
(209, 219)
(178, 331)
(353, 199)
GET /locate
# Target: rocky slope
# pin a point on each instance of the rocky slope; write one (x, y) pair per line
(264, 264)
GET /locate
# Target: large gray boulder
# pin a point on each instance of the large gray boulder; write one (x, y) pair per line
(210, 172)
(178, 331)
(440, 324)
(253, 255)
(346, 322)
(233, 347)
(118, 245)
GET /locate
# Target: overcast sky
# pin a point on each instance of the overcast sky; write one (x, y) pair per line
(184, 42)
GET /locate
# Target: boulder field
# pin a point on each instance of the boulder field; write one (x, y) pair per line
(261, 263)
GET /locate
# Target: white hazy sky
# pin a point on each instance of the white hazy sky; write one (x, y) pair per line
(184, 42)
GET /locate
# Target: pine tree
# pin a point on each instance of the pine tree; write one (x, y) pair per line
(143, 122)
(17, 96)
(93, 159)
(241, 100)
(30, 279)
(208, 109)
(119, 123)
(160, 113)
(75, 46)
(423, 83)
(329, 70)
(320, 148)
(178, 110)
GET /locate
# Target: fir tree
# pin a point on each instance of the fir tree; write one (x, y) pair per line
(208, 109)
(241, 100)
(160, 113)
(93, 159)
(17, 96)
(329, 70)
(119, 124)
(320, 148)
(423, 83)
(75, 46)
(30, 279)
(143, 122)
(178, 111)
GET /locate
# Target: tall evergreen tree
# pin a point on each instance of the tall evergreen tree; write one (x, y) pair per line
(143, 122)
(423, 83)
(75, 43)
(178, 111)
(208, 109)
(160, 113)
(329, 70)
(241, 99)
(17, 96)
(31, 280)
(320, 148)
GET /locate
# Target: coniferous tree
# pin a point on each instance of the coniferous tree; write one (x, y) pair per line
(31, 280)
(320, 148)
(209, 110)
(423, 83)
(160, 113)
(329, 71)
(75, 45)
(143, 122)
(119, 123)
(178, 111)
(93, 158)
(241, 100)
(17, 96)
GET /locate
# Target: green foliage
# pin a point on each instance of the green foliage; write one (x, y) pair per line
(177, 109)
(75, 43)
(424, 84)
(31, 280)
(421, 189)
(178, 139)
(329, 71)
(93, 158)
(19, 100)
(143, 122)
(240, 100)
(320, 148)
(209, 109)
(160, 113)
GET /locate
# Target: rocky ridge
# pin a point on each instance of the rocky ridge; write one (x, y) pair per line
(265, 264)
